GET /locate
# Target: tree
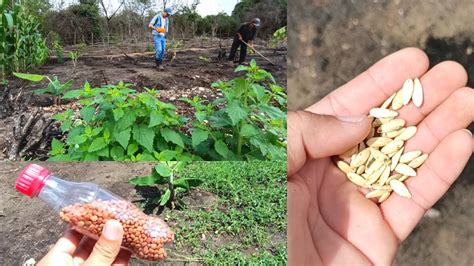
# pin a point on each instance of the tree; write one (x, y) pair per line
(110, 15)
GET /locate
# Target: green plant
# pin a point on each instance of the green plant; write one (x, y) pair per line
(119, 123)
(167, 173)
(54, 87)
(58, 48)
(248, 123)
(279, 36)
(74, 55)
(21, 44)
(205, 59)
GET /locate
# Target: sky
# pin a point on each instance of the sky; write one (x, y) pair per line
(205, 7)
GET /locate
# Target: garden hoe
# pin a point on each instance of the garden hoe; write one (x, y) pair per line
(258, 52)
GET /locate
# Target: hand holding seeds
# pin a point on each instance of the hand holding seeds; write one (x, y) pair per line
(367, 161)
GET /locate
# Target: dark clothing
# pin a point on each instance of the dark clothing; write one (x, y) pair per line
(233, 50)
(247, 31)
(248, 34)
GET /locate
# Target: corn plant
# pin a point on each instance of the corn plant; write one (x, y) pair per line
(21, 44)
(58, 48)
(74, 55)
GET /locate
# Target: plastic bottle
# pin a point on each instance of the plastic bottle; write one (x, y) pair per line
(87, 207)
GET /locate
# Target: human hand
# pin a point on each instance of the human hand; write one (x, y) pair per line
(329, 219)
(75, 249)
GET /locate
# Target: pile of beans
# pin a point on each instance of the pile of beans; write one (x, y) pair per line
(145, 236)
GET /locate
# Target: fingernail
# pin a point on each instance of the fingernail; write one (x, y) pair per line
(112, 230)
(468, 131)
(351, 119)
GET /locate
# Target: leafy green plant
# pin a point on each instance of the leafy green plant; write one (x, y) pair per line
(278, 37)
(55, 87)
(74, 55)
(167, 173)
(58, 48)
(119, 123)
(248, 123)
(21, 44)
(205, 59)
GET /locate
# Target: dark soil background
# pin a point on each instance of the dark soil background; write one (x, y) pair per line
(333, 41)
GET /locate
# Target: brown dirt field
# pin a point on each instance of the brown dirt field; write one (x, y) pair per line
(187, 76)
(333, 41)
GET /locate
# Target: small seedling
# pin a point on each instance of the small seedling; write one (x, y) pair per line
(74, 55)
(54, 87)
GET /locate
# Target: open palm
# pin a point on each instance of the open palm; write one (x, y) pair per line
(329, 219)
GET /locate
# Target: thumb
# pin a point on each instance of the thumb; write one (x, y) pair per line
(108, 246)
(317, 136)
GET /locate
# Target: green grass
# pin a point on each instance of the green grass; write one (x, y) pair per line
(247, 222)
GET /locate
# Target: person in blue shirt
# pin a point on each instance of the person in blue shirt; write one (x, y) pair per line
(160, 25)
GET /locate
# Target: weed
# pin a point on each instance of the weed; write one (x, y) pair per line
(54, 87)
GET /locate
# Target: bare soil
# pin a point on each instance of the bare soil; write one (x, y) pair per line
(190, 74)
(333, 41)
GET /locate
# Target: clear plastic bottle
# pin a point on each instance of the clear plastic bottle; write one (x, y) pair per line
(87, 207)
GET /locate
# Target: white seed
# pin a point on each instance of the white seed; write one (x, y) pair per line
(384, 197)
(417, 93)
(407, 133)
(400, 188)
(403, 178)
(405, 170)
(344, 167)
(392, 147)
(375, 176)
(378, 155)
(360, 158)
(360, 169)
(382, 113)
(374, 167)
(379, 187)
(394, 176)
(409, 156)
(387, 102)
(417, 162)
(392, 125)
(356, 179)
(407, 91)
(375, 194)
(385, 175)
(397, 102)
(396, 158)
(378, 142)
(393, 134)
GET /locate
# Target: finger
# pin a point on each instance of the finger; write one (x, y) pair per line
(317, 136)
(438, 83)
(84, 250)
(455, 113)
(375, 85)
(68, 243)
(433, 179)
(108, 246)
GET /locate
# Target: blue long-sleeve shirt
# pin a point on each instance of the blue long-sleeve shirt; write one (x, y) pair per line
(159, 21)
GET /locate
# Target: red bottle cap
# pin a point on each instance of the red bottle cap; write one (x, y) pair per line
(31, 179)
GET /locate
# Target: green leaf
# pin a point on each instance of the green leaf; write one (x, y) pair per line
(126, 121)
(143, 180)
(117, 153)
(165, 197)
(72, 94)
(156, 118)
(118, 113)
(236, 113)
(66, 125)
(167, 155)
(183, 183)
(87, 113)
(104, 152)
(30, 77)
(79, 139)
(132, 148)
(171, 136)
(222, 149)
(144, 136)
(163, 170)
(199, 136)
(57, 147)
(97, 144)
(123, 137)
(249, 130)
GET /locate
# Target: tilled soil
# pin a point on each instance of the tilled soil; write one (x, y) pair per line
(190, 74)
(333, 41)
